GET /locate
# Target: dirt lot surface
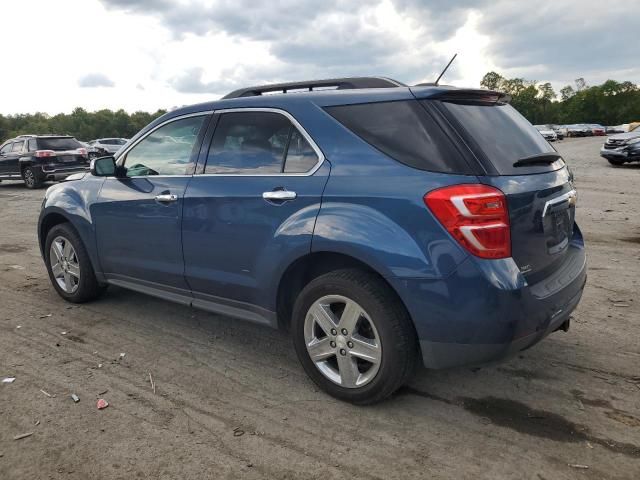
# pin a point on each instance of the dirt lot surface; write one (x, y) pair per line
(232, 401)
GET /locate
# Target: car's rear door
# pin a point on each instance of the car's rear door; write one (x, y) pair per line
(251, 211)
(138, 218)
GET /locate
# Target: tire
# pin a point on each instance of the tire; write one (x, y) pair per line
(615, 162)
(79, 288)
(384, 321)
(31, 177)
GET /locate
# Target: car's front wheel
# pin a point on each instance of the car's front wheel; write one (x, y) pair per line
(615, 162)
(69, 266)
(353, 336)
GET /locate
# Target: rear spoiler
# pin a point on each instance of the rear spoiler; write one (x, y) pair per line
(460, 95)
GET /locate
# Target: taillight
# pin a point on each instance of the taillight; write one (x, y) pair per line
(82, 151)
(45, 153)
(476, 215)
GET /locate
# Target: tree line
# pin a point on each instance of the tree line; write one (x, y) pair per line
(611, 103)
(81, 124)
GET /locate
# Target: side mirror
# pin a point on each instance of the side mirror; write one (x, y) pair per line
(103, 167)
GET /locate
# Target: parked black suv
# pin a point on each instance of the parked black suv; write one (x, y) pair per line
(38, 158)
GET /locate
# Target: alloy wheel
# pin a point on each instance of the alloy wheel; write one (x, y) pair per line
(342, 341)
(29, 177)
(64, 264)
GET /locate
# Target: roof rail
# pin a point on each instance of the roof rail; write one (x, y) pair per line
(339, 83)
(33, 135)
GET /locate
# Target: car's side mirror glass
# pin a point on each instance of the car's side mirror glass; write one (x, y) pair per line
(103, 167)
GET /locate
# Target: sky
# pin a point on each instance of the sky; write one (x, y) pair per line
(150, 54)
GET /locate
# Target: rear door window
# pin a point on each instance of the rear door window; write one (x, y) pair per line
(301, 157)
(17, 146)
(501, 135)
(258, 143)
(404, 131)
(33, 145)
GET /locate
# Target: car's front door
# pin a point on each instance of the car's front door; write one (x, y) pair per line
(5, 159)
(11, 158)
(138, 217)
(251, 211)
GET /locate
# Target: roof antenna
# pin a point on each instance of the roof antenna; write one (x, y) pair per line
(445, 69)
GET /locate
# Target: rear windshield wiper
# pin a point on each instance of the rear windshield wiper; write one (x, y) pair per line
(539, 158)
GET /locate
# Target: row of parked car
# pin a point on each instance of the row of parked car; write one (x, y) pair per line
(558, 132)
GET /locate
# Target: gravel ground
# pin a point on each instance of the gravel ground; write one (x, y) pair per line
(232, 401)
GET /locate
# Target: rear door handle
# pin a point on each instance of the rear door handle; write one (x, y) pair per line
(279, 195)
(166, 198)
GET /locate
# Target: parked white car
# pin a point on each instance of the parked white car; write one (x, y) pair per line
(105, 146)
(547, 132)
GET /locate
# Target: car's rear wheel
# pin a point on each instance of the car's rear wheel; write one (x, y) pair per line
(31, 178)
(69, 266)
(615, 162)
(353, 336)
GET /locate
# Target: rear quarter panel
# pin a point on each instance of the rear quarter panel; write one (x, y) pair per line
(373, 210)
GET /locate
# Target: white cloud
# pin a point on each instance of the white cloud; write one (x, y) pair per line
(162, 53)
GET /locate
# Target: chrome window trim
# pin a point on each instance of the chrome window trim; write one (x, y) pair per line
(294, 122)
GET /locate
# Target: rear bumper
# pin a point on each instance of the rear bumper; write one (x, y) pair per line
(60, 173)
(486, 310)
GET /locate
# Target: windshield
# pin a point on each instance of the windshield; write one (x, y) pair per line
(58, 143)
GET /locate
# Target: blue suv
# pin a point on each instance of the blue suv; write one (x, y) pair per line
(382, 225)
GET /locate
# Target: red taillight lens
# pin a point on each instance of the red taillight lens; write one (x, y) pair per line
(476, 215)
(45, 153)
(82, 151)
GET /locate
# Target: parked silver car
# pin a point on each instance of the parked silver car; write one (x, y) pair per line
(105, 146)
(547, 132)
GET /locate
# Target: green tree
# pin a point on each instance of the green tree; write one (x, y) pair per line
(492, 81)
(79, 123)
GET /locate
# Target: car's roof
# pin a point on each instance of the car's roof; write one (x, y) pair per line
(322, 98)
(43, 135)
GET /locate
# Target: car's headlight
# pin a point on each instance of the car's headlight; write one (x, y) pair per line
(633, 140)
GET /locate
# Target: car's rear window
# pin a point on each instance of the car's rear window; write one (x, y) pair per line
(404, 131)
(58, 143)
(502, 135)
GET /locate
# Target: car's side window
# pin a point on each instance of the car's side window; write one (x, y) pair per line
(17, 146)
(257, 143)
(6, 149)
(301, 157)
(33, 145)
(165, 151)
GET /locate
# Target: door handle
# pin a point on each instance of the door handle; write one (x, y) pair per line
(166, 198)
(279, 195)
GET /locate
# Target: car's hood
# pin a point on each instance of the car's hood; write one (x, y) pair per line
(546, 132)
(625, 136)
